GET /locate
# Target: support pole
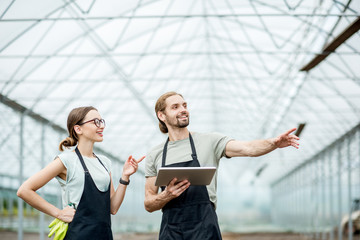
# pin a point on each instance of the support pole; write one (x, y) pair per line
(21, 167)
(339, 156)
(323, 202)
(42, 164)
(350, 223)
(331, 194)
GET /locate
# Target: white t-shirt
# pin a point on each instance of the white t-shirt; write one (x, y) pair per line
(72, 188)
(210, 148)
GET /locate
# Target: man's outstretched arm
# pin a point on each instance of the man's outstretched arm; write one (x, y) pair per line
(257, 148)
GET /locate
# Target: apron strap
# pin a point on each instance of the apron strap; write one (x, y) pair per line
(83, 163)
(101, 163)
(193, 151)
(81, 160)
(164, 153)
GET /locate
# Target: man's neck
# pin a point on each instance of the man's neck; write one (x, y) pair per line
(178, 134)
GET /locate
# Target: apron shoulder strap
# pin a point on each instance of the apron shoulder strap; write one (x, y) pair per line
(164, 153)
(193, 150)
(101, 163)
(81, 160)
(83, 163)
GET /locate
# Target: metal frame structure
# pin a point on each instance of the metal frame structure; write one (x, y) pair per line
(237, 63)
(314, 197)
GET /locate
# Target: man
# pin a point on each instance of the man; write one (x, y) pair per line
(189, 211)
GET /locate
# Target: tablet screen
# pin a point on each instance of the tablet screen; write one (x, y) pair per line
(195, 175)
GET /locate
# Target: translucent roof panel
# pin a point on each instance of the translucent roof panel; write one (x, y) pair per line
(237, 63)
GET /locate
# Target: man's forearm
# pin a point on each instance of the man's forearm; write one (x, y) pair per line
(156, 202)
(260, 147)
(253, 148)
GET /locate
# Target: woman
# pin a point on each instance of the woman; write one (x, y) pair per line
(85, 180)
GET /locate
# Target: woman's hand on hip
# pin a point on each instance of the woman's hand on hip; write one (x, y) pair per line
(67, 214)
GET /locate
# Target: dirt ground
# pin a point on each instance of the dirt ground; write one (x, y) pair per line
(7, 235)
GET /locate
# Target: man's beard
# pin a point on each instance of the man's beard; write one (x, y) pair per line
(182, 124)
(179, 124)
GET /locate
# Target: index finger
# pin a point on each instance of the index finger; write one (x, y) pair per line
(142, 158)
(175, 181)
(172, 182)
(290, 131)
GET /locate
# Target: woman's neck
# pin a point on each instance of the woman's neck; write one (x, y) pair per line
(86, 148)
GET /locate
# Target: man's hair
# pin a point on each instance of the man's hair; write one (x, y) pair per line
(160, 107)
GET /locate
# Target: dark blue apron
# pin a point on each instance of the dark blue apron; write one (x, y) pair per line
(92, 216)
(191, 215)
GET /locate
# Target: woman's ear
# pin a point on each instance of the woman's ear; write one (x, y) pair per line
(77, 129)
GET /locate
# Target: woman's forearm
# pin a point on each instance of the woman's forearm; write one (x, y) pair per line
(37, 202)
(118, 197)
(27, 191)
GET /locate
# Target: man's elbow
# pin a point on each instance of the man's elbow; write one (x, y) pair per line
(148, 207)
(149, 210)
(254, 155)
(113, 212)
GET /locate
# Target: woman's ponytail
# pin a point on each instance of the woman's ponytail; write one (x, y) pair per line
(67, 142)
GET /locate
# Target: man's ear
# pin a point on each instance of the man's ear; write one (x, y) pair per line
(161, 115)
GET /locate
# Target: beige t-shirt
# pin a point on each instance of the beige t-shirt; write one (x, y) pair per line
(210, 148)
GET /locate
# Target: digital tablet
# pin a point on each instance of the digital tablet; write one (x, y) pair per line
(195, 175)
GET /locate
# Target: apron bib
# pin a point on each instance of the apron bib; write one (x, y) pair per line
(92, 217)
(191, 215)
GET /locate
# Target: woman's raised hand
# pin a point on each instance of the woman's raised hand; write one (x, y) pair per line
(131, 165)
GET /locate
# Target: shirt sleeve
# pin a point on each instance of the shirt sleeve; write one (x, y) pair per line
(66, 158)
(150, 169)
(219, 142)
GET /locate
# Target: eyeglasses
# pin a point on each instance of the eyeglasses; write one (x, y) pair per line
(97, 122)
